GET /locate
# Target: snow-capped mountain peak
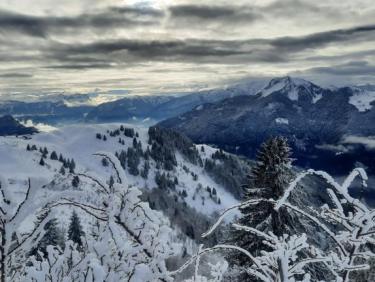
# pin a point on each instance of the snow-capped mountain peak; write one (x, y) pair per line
(294, 88)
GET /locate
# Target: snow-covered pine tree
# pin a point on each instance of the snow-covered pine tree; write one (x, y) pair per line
(75, 229)
(51, 237)
(267, 180)
(131, 242)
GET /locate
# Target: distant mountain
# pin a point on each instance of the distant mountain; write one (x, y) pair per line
(44, 111)
(127, 108)
(161, 107)
(328, 128)
(10, 126)
(76, 108)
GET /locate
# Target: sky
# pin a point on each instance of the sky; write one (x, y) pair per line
(171, 46)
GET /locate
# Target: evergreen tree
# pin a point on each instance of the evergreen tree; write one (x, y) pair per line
(145, 170)
(122, 158)
(54, 156)
(268, 179)
(28, 147)
(41, 162)
(52, 237)
(75, 231)
(72, 166)
(62, 170)
(104, 138)
(111, 182)
(105, 162)
(75, 181)
(61, 158)
(133, 161)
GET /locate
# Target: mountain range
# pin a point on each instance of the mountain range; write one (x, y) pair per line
(328, 128)
(155, 107)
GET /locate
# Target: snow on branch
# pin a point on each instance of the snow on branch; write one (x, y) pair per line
(354, 228)
(230, 210)
(354, 221)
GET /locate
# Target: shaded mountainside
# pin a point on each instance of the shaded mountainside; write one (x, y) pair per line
(319, 123)
(10, 126)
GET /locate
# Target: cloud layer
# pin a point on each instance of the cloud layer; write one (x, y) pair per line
(179, 45)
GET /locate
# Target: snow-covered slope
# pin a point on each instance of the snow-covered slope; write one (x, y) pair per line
(362, 98)
(80, 143)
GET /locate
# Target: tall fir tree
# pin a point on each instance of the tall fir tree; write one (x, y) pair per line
(268, 179)
(75, 231)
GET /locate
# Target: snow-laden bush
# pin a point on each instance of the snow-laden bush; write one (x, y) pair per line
(351, 227)
(132, 241)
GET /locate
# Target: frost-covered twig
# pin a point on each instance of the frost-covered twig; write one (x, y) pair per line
(356, 224)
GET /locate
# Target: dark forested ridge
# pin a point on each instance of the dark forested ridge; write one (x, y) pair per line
(10, 126)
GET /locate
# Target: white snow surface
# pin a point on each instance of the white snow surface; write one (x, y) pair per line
(362, 99)
(79, 142)
(282, 120)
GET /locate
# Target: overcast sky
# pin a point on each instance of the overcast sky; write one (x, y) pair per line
(157, 46)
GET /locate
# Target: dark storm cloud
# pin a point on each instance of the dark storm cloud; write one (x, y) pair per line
(79, 66)
(323, 38)
(130, 49)
(352, 68)
(205, 12)
(40, 26)
(15, 75)
(12, 22)
(238, 14)
(276, 50)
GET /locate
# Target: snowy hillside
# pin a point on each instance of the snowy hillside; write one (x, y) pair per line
(80, 143)
(188, 182)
